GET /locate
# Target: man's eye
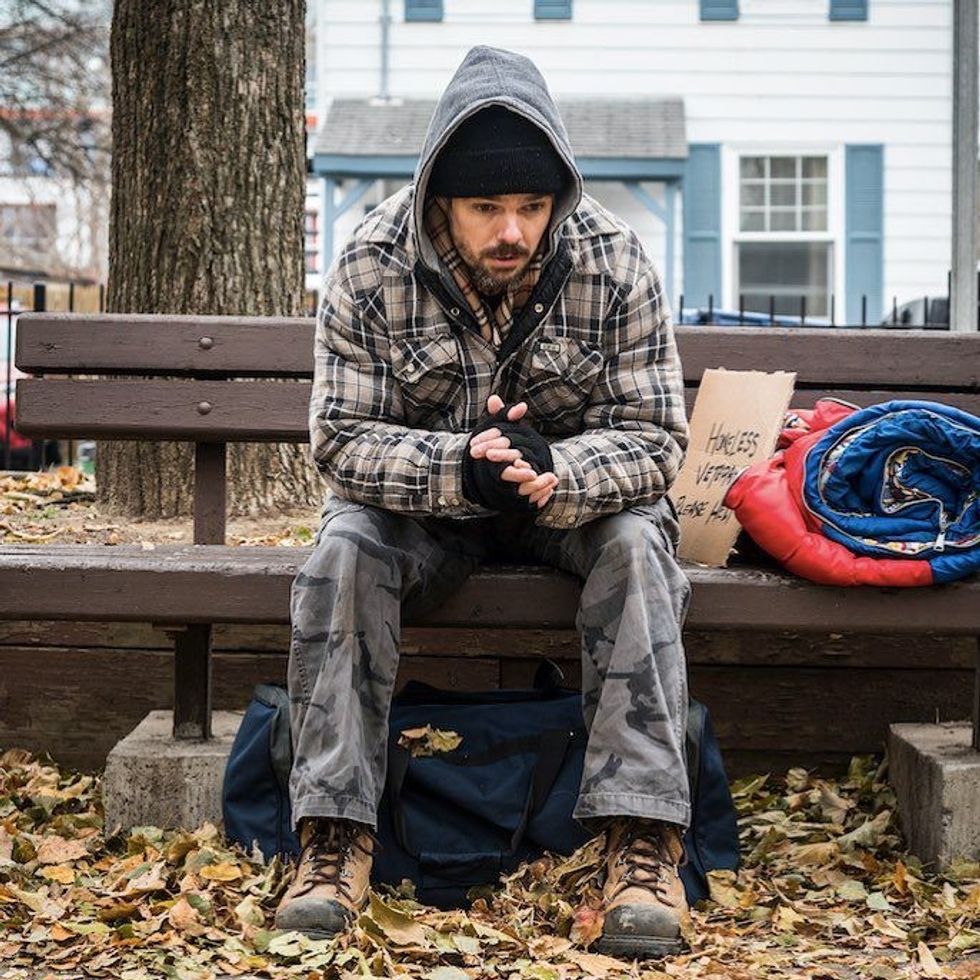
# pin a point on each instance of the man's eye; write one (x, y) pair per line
(485, 208)
(534, 206)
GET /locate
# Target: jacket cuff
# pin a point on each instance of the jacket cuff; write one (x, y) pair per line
(446, 481)
(567, 507)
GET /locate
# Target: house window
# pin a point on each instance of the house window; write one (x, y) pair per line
(28, 227)
(311, 231)
(423, 10)
(784, 249)
(310, 84)
(552, 9)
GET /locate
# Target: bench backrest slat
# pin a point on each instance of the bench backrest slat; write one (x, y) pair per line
(196, 411)
(249, 411)
(283, 347)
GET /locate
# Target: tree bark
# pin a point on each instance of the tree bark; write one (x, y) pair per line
(208, 190)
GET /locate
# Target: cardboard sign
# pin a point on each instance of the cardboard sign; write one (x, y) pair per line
(736, 421)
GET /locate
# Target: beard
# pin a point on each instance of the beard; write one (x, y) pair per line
(488, 282)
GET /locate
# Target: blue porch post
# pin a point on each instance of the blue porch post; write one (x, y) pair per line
(666, 212)
(333, 209)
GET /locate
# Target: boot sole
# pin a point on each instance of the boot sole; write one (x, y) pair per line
(639, 947)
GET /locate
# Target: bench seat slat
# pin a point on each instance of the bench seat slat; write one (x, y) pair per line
(240, 411)
(283, 346)
(188, 584)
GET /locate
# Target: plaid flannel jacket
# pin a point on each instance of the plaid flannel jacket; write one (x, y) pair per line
(402, 373)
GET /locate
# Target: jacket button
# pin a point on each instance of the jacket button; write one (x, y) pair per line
(454, 501)
(442, 501)
(454, 311)
(539, 307)
(569, 520)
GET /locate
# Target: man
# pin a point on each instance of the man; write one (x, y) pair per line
(496, 377)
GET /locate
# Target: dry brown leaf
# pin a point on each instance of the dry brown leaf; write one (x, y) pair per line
(223, 871)
(57, 850)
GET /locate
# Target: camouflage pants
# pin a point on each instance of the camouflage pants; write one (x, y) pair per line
(368, 564)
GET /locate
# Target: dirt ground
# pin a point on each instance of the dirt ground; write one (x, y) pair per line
(59, 507)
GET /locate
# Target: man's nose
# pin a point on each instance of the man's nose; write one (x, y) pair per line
(511, 231)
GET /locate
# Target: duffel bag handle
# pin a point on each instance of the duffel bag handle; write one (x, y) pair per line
(552, 747)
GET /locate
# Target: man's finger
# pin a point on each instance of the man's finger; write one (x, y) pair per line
(544, 498)
(543, 481)
(486, 436)
(516, 412)
(518, 474)
(503, 455)
(494, 404)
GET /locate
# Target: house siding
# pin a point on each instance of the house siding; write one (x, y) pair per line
(782, 77)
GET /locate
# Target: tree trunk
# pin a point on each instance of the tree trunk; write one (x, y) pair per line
(208, 190)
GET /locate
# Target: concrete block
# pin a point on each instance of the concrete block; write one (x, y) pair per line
(151, 778)
(936, 777)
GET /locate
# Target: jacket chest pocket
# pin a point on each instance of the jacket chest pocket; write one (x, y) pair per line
(430, 374)
(561, 373)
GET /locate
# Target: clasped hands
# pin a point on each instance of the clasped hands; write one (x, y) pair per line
(508, 463)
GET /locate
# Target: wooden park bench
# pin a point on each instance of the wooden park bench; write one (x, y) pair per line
(215, 380)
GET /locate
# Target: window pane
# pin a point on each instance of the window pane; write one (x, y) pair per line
(783, 166)
(814, 193)
(783, 220)
(815, 219)
(815, 167)
(753, 220)
(753, 167)
(753, 195)
(787, 271)
(783, 195)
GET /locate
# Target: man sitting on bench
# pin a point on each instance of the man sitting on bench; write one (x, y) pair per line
(496, 379)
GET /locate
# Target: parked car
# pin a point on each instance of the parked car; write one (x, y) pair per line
(927, 311)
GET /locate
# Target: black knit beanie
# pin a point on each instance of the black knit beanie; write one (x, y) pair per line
(497, 151)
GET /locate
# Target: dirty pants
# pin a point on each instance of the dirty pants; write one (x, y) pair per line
(370, 564)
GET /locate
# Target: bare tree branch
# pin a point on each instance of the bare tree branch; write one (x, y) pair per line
(55, 88)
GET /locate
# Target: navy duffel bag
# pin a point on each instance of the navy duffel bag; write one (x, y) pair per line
(454, 820)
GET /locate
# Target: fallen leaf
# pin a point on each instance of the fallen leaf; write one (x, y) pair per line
(57, 850)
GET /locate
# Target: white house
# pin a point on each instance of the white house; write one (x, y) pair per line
(761, 148)
(50, 227)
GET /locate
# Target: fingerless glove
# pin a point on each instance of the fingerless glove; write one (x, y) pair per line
(482, 480)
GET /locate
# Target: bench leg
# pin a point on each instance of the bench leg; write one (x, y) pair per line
(192, 682)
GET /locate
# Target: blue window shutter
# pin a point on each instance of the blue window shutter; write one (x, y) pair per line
(702, 225)
(719, 9)
(423, 9)
(864, 261)
(848, 9)
(552, 9)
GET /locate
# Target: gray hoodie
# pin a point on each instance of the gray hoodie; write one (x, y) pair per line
(486, 77)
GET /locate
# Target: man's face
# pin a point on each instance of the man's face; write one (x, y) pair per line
(496, 236)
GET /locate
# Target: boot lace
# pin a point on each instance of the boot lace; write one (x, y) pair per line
(331, 844)
(646, 857)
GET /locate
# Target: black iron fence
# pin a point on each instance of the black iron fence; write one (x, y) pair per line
(18, 297)
(924, 312)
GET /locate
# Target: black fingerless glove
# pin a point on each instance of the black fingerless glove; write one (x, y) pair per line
(482, 480)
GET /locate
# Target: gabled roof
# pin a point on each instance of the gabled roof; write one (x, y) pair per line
(612, 138)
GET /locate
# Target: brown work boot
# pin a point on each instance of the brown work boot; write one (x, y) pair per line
(331, 884)
(643, 897)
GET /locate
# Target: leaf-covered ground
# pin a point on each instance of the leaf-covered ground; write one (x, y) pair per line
(826, 893)
(59, 506)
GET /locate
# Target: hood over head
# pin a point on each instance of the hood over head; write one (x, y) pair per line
(493, 77)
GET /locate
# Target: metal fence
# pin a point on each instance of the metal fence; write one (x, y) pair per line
(22, 297)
